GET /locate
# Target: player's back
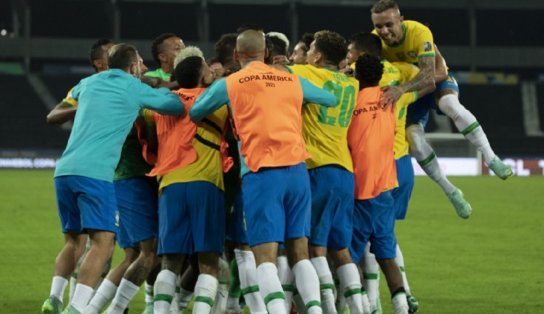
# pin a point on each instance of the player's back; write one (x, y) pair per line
(108, 104)
(325, 128)
(266, 105)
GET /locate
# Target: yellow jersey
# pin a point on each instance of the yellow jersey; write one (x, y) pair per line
(395, 74)
(209, 165)
(325, 128)
(416, 42)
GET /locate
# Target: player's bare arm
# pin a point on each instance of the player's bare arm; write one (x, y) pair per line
(62, 112)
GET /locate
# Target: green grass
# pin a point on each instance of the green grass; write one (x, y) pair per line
(490, 263)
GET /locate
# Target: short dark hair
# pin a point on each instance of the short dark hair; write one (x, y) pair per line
(368, 43)
(368, 70)
(332, 45)
(307, 39)
(277, 47)
(96, 52)
(155, 47)
(383, 5)
(121, 56)
(224, 47)
(187, 72)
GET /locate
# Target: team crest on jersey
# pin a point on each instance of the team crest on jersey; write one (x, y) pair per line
(427, 46)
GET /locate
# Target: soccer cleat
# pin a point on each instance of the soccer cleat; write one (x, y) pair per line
(413, 304)
(52, 305)
(70, 310)
(502, 170)
(400, 305)
(462, 207)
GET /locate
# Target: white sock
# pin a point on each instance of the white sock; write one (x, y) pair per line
(326, 284)
(400, 304)
(287, 279)
(270, 288)
(185, 297)
(425, 156)
(220, 302)
(247, 271)
(205, 291)
(126, 291)
(371, 276)
(467, 124)
(148, 293)
(350, 284)
(58, 284)
(307, 283)
(81, 298)
(73, 283)
(163, 291)
(102, 296)
(400, 262)
(233, 304)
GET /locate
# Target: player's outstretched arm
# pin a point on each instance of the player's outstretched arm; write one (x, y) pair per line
(212, 99)
(160, 100)
(315, 95)
(62, 112)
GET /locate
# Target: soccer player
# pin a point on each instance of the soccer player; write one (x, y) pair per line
(371, 142)
(298, 56)
(330, 169)
(164, 50)
(275, 183)
(191, 204)
(412, 42)
(108, 103)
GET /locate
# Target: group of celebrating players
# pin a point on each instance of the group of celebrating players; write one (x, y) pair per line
(253, 177)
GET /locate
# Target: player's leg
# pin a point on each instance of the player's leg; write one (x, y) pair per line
(174, 243)
(383, 245)
(371, 278)
(108, 287)
(247, 271)
(287, 278)
(265, 222)
(298, 221)
(467, 124)
(427, 159)
(324, 203)
(206, 208)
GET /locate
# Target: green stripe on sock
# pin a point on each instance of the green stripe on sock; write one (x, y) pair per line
(203, 299)
(427, 160)
(289, 288)
(351, 292)
(273, 296)
(402, 268)
(163, 297)
(313, 303)
(370, 276)
(470, 128)
(295, 292)
(325, 286)
(250, 289)
(74, 275)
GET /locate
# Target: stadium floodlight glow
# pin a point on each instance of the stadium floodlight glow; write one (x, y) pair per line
(3, 32)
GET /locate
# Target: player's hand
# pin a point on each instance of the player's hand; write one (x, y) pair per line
(390, 95)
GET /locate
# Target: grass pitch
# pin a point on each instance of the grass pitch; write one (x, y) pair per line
(491, 263)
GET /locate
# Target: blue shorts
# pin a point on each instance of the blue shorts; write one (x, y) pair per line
(374, 221)
(236, 224)
(191, 218)
(402, 194)
(277, 204)
(418, 112)
(138, 216)
(86, 204)
(333, 190)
